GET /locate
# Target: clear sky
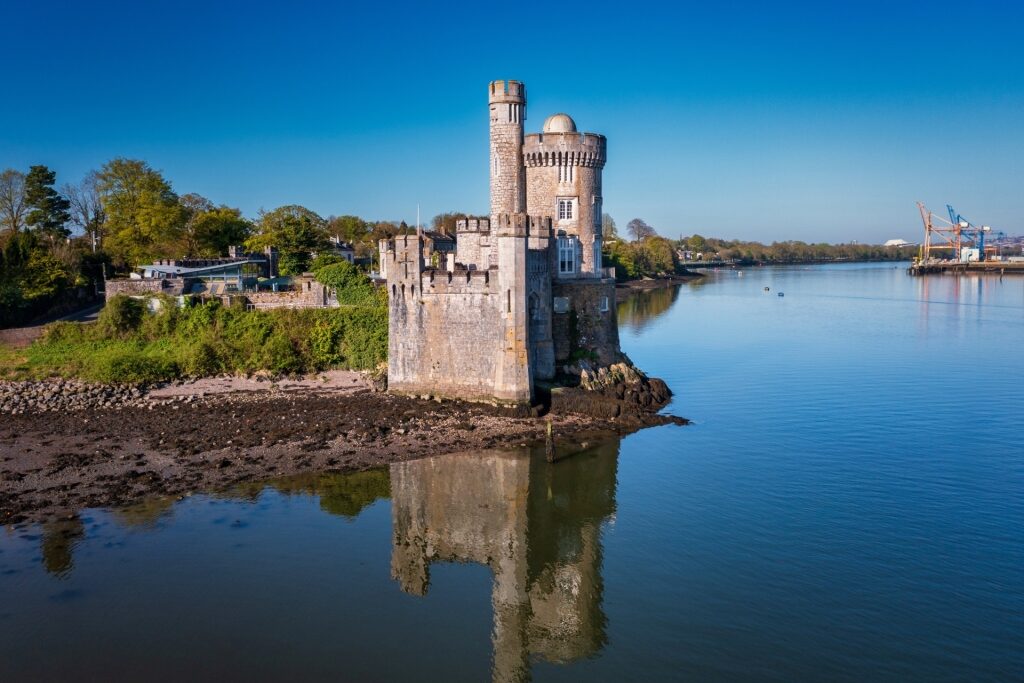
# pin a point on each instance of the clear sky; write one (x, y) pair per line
(820, 121)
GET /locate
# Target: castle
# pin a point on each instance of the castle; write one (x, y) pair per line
(522, 293)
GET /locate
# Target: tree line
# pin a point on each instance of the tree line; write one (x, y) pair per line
(58, 242)
(647, 254)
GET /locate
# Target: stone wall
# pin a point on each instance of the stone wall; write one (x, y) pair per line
(147, 286)
(460, 334)
(595, 330)
(307, 293)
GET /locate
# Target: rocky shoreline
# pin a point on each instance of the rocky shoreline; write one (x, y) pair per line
(67, 445)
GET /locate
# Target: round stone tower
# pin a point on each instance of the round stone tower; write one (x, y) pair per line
(563, 180)
(507, 101)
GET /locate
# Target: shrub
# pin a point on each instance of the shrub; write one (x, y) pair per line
(352, 287)
(121, 316)
(199, 360)
(323, 260)
(124, 364)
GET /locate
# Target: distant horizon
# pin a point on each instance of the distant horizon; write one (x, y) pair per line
(795, 122)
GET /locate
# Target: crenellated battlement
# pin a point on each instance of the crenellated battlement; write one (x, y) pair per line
(401, 257)
(507, 91)
(565, 149)
(521, 225)
(472, 225)
(433, 282)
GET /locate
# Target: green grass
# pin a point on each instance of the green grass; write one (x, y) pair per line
(129, 344)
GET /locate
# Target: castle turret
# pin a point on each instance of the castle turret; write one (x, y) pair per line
(507, 100)
(513, 379)
(563, 168)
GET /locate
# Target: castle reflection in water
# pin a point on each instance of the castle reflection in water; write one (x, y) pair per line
(536, 525)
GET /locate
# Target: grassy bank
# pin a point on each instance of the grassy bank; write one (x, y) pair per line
(130, 344)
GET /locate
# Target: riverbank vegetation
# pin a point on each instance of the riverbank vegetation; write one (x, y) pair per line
(131, 344)
(135, 341)
(57, 245)
(649, 255)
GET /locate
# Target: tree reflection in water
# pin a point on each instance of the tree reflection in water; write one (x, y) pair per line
(637, 308)
(536, 525)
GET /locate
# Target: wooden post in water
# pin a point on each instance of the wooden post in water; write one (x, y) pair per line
(549, 444)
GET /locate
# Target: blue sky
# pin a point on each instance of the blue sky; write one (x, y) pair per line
(814, 121)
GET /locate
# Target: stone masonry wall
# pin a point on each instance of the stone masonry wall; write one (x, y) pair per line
(308, 294)
(596, 330)
(445, 335)
(146, 286)
(460, 334)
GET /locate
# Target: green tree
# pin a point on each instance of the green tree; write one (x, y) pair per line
(48, 210)
(193, 206)
(348, 228)
(295, 231)
(219, 228)
(12, 200)
(659, 254)
(697, 243)
(143, 217)
(209, 230)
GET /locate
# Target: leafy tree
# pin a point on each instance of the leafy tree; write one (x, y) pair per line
(194, 206)
(85, 208)
(219, 228)
(659, 254)
(12, 200)
(295, 231)
(608, 229)
(143, 217)
(32, 278)
(209, 230)
(49, 210)
(639, 230)
(348, 228)
(325, 259)
(697, 243)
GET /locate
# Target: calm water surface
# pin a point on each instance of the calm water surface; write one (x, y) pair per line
(848, 505)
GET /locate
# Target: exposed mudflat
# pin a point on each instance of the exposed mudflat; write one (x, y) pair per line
(215, 433)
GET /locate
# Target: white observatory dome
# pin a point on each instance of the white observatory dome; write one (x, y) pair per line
(559, 123)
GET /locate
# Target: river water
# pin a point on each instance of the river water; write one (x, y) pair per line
(848, 505)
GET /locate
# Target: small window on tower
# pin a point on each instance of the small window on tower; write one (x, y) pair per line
(564, 209)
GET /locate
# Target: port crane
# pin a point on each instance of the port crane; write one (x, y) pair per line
(940, 233)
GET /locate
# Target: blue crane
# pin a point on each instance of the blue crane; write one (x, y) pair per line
(974, 233)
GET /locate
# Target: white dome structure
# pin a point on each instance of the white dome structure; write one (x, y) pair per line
(559, 123)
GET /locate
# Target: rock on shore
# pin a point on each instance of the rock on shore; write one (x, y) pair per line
(616, 391)
(63, 395)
